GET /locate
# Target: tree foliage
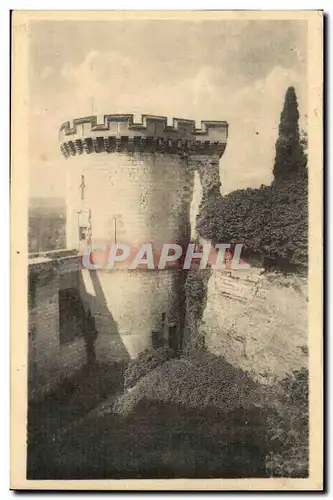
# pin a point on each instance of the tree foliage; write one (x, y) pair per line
(290, 158)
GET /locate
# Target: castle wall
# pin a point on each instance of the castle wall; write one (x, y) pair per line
(127, 307)
(147, 194)
(150, 196)
(50, 362)
(257, 321)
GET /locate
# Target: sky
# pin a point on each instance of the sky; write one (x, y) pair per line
(234, 70)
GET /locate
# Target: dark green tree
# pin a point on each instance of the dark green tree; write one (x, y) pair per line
(290, 158)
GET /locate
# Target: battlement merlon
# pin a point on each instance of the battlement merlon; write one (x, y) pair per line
(112, 128)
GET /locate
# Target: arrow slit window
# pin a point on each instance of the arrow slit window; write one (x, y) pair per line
(84, 215)
(84, 224)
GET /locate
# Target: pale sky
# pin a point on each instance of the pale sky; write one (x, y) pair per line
(209, 70)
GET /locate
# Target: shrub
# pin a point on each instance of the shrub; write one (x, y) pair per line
(144, 363)
(197, 383)
(271, 221)
(274, 418)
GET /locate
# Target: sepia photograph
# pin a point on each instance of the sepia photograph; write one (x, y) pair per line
(167, 190)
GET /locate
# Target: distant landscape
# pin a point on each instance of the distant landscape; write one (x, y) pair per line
(47, 224)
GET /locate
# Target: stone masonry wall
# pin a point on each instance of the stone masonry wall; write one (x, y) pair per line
(150, 197)
(146, 194)
(50, 362)
(127, 307)
(257, 321)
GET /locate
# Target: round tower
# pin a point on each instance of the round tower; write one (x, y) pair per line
(132, 183)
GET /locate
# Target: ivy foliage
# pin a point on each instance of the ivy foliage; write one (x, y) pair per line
(272, 221)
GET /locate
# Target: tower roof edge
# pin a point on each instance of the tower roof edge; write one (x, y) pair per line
(150, 126)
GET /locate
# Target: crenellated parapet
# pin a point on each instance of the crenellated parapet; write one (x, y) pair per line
(119, 133)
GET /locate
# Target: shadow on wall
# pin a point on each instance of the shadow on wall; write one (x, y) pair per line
(104, 339)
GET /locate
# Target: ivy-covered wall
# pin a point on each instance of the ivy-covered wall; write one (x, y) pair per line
(271, 221)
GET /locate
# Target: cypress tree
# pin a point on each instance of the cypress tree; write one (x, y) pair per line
(290, 159)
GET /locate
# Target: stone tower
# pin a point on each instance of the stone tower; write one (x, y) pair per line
(133, 183)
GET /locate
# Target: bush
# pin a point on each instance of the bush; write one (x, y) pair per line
(271, 221)
(202, 382)
(144, 363)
